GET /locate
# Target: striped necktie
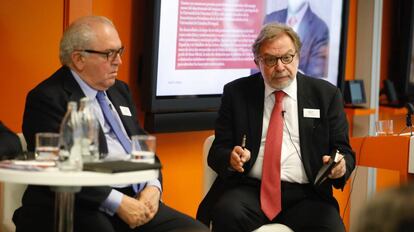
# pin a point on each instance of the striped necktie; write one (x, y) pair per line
(113, 122)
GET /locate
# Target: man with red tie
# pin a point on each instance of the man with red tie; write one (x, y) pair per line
(290, 124)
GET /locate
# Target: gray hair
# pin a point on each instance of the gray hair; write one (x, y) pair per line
(78, 36)
(272, 31)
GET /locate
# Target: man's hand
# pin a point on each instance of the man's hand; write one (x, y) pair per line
(133, 212)
(339, 170)
(238, 157)
(136, 212)
(150, 197)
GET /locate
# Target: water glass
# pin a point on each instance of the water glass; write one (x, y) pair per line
(384, 127)
(47, 146)
(143, 148)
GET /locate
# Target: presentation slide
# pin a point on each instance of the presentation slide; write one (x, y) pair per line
(204, 44)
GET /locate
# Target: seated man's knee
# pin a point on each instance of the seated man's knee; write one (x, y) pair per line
(228, 209)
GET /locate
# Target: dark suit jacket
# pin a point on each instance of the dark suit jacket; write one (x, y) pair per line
(241, 113)
(10, 145)
(45, 107)
(314, 35)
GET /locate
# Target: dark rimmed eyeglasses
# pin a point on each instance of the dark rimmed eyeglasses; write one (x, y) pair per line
(271, 61)
(110, 54)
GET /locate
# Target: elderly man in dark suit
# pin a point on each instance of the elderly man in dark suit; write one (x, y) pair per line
(274, 132)
(90, 51)
(313, 33)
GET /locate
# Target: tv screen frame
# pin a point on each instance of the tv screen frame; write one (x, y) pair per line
(401, 71)
(354, 92)
(188, 111)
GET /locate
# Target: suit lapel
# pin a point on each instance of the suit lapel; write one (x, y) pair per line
(118, 100)
(70, 85)
(306, 125)
(305, 24)
(255, 104)
(284, 16)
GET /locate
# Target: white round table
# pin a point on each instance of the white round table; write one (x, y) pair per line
(66, 184)
(85, 178)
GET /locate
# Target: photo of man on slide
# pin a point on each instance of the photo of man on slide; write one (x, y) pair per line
(313, 32)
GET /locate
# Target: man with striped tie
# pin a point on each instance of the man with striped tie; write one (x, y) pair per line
(90, 52)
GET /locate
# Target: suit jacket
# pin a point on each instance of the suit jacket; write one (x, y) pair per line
(241, 113)
(45, 107)
(314, 35)
(10, 145)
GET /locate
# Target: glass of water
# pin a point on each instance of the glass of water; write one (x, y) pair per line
(143, 148)
(384, 128)
(47, 146)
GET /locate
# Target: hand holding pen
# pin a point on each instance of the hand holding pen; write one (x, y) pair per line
(239, 156)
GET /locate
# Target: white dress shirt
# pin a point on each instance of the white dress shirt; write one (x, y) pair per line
(292, 169)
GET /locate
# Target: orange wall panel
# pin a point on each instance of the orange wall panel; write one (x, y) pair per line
(74, 9)
(30, 46)
(351, 44)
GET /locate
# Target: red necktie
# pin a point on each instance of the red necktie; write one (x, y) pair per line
(270, 187)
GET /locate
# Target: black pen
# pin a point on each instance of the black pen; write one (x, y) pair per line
(243, 144)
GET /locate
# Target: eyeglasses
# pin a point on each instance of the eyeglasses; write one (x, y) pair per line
(110, 54)
(271, 61)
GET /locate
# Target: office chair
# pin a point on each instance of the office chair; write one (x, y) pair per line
(208, 178)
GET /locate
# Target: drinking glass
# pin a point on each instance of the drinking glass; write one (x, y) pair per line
(384, 127)
(47, 146)
(143, 148)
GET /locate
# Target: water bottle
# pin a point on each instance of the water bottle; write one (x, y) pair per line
(90, 131)
(70, 158)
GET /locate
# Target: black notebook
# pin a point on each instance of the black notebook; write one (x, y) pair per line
(326, 168)
(119, 166)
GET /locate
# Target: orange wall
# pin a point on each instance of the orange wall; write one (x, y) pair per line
(29, 47)
(350, 49)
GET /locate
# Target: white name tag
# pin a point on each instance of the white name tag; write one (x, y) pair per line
(311, 113)
(125, 111)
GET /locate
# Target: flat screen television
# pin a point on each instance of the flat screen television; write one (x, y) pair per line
(401, 59)
(194, 47)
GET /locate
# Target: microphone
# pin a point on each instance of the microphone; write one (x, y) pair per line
(410, 108)
(283, 113)
(410, 111)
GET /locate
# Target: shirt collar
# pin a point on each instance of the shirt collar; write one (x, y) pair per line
(290, 90)
(86, 89)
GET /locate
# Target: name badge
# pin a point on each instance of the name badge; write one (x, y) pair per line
(311, 113)
(125, 111)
